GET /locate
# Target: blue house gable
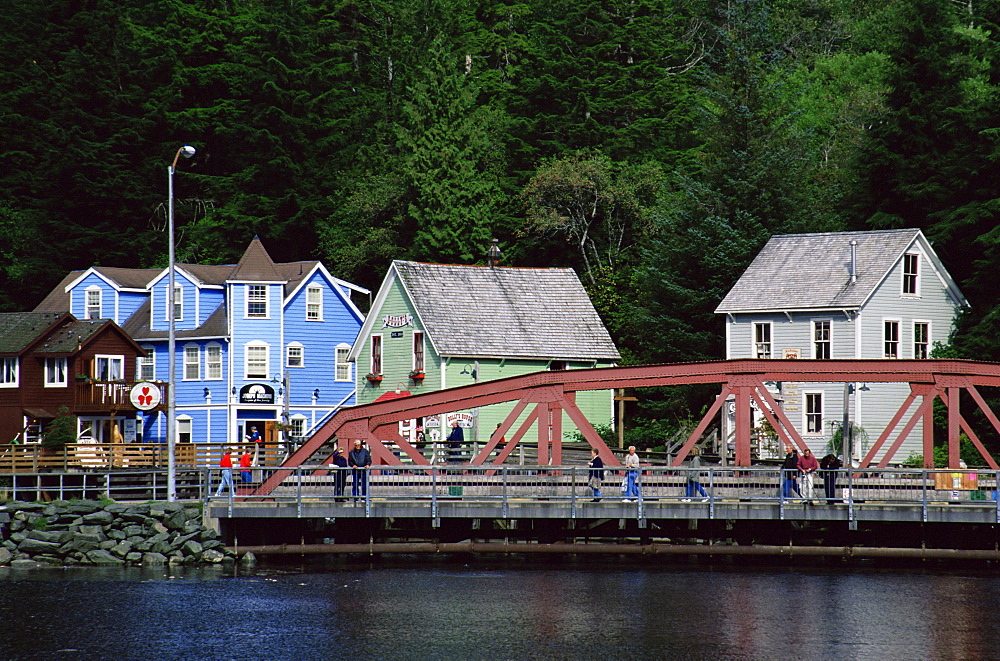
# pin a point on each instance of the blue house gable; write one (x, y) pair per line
(258, 343)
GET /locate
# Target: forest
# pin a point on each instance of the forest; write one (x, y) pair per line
(652, 145)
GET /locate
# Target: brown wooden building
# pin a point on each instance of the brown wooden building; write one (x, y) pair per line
(50, 360)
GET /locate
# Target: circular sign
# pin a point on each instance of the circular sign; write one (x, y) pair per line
(145, 396)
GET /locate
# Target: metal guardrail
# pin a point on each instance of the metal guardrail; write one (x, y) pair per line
(711, 486)
(139, 485)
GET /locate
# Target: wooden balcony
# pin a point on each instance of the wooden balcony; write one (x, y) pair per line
(135, 456)
(108, 396)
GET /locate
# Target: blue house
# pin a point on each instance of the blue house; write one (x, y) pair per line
(258, 343)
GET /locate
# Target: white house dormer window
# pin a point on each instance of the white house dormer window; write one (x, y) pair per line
(256, 360)
(911, 274)
(890, 336)
(342, 371)
(257, 301)
(762, 340)
(93, 303)
(55, 373)
(921, 340)
(178, 302)
(314, 303)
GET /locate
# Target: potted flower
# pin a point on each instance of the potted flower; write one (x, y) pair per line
(374, 378)
(417, 375)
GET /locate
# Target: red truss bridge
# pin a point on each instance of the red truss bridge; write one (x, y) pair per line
(545, 396)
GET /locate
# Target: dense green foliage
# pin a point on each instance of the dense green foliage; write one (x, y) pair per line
(653, 145)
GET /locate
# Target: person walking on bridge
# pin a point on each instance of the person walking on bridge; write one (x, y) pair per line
(631, 474)
(596, 474)
(360, 459)
(226, 466)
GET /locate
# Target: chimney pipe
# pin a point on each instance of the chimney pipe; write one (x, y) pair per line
(854, 261)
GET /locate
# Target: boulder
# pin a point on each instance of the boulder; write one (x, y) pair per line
(5, 556)
(103, 557)
(92, 530)
(23, 563)
(83, 506)
(122, 549)
(192, 547)
(213, 556)
(134, 531)
(133, 558)
(153, 559)
(33, 546)
(55, 536)
(175, 520)
(101, 518)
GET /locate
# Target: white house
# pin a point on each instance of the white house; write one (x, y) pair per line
(865, 295)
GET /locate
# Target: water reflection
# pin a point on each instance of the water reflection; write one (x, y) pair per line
(509, 611)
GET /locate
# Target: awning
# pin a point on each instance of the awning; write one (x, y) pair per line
(392, 394)
(38, 414)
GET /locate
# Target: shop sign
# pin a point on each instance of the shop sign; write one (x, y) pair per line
(145, 396)
(397, 320)
(257, 393)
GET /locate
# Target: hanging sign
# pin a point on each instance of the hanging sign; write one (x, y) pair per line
(257, 393)
(397, 320)
(145, 396)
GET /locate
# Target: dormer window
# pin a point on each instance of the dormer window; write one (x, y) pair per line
(257, 301)
(93, 303)
(314, 303)
(178, 302)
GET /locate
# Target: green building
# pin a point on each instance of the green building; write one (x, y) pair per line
(436, 326)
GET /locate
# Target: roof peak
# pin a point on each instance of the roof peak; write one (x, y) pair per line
(255, 264)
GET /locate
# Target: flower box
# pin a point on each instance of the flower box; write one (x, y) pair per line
(374, 378)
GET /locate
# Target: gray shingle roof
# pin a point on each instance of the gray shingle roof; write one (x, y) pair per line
(506, 312)
(812, 271)
(137, 326)
(20, 329)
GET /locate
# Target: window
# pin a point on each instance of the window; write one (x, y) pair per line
(184, 430)
(921, 339)
(376, 362)
(814, 413)
(314, 303)
(891, 338)
(821, 340)
(178, 302)
(8, 372)
(109, 368)
(762, 340)
(55, 372)
(146, 365)
(256, 300)
(93, 310)
(213, 361)
(298, 423)
(343, 367)
(558, 365)
(192, 363)
(911, 265)
(295, 355)
(418, 351)
(256, 360)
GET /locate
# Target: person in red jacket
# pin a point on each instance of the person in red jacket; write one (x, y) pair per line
(226, 464)
(245, 460)
(808, 465)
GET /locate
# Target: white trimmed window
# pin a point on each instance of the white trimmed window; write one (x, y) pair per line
(314, 303)
(762, 340)
(921, 340)
(256, 354)
(93, 303)
(343, 367)
(213, 362)
(192, 362)
(9, 372)
(178, 301)
(821, 339)
(295, 355)
(890, 338)
(146, 365)
(911, 274)
(418, 351)
(184, 429)
(298, 423)
(814, 412)
(257, 301)
(109, 368)
(55, 373)
(376, 355)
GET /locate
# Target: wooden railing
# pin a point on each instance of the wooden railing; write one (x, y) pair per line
(104, 456)
(109, 396)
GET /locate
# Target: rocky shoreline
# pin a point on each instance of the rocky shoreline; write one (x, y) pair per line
(90, 532)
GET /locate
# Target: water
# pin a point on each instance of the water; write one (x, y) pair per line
(611, 609)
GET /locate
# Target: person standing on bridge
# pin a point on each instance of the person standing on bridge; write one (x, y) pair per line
(455, 441)
(693, 484)
(790, 473)
(339, 474)
(830, 464)
(226, 464)
(245, 460)
(360, 459)
(631, 474)
(596, 474)
(807, 468)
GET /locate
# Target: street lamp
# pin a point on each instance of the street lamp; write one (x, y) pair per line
(187, 151)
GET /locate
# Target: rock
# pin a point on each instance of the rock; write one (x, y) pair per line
(54, 536)
(92, 530)
(101, 518)
(134, 531)
(161, 509)
(192, 547)
(33, 546)
(23, 563)
(117, 535)
(4, 517)
(248, 559)
(103, 557)
(156, 528)
(122, 549)
(16, 525)
(17, 537)
(161, 537)
(133, 558)
(83, 506)
(213, 556)
(107, 544)
(175, 521)
(212, 544)
(5, 556)
(175, 559)
(153, 559)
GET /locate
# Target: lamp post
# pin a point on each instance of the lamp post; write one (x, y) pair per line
(187, 151)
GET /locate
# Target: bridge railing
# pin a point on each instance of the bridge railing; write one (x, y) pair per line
(508, 484)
